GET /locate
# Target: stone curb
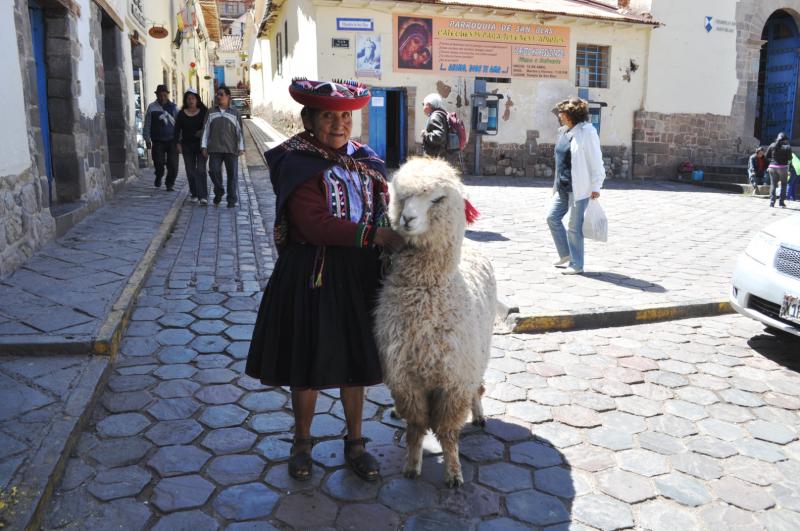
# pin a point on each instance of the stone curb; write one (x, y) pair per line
(46, 467)
(110, 333)
(537, 324)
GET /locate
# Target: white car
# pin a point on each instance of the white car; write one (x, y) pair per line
(766, 281)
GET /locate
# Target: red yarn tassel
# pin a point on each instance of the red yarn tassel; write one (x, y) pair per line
(470, 212)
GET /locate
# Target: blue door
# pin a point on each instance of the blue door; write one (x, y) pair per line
(377, 122)
(219, 75)
(780, 81)
(38, 36)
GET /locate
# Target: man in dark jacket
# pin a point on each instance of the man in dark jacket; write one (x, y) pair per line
(779, 155)
(434, 136)
(757, 169)
(159, 135)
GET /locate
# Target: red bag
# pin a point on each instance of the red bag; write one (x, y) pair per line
(456, 133)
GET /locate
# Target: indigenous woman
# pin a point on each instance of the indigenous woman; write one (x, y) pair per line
(314, 326)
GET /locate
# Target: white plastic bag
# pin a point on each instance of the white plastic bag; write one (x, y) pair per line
(595, 223)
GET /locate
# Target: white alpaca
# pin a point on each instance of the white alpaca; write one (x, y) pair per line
(435, 313)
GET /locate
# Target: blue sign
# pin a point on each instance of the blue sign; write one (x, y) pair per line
(708, 25)
(355, 24)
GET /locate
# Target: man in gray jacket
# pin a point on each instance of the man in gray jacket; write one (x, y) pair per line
(223, 142)
(434, 136)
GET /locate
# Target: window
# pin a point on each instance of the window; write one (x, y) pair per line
(279, 54)
(595, 60)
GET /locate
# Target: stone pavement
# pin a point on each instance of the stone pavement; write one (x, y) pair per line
(60, 309)
(669, 244)
(689, 424)
(60, 298)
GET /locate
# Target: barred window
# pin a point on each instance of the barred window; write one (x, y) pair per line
(594, 59)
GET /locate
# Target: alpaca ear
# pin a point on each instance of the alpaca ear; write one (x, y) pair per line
(470, 212)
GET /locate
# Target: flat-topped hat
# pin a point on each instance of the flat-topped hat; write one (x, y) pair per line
(162, 88)
(335, 95)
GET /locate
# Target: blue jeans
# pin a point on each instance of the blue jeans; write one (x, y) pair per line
(231, 161)
(568, 242)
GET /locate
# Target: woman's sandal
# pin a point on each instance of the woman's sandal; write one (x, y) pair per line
(365, 466)
(300, 464)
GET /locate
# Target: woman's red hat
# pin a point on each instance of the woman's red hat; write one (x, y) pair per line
(336, 95)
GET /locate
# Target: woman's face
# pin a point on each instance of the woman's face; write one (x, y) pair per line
(427, 109)
(564, 119)
(191, 101)
(332, 128)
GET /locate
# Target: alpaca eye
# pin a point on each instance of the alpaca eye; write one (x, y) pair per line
(438, 200)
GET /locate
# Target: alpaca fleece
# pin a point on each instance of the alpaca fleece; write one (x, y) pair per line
(435, 313)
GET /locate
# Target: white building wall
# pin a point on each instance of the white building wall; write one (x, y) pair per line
(692, 70)
(528, 101)
(15, 155)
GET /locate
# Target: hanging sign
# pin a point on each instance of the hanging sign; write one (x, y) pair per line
(158, 32)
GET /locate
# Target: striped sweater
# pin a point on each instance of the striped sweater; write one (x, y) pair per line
(223, 131)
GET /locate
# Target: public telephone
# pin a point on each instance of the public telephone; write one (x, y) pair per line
(485, 112)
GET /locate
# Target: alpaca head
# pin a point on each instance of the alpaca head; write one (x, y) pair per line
(427, 203)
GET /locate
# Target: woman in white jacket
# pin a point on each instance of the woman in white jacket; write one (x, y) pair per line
(579, 176)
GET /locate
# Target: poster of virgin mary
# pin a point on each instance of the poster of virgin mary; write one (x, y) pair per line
(415, 43)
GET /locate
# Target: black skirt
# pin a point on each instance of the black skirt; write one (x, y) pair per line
(318, 337)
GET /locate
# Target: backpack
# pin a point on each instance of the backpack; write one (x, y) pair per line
(456, 133)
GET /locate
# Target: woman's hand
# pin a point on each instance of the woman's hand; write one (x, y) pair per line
(389, 239)
(595, 195)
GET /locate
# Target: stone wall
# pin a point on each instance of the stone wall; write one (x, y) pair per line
(25, 220)
(662, 142)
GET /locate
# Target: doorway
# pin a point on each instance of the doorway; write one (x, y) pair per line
(38, 37)
(777, 78)
(387, 125)
(114, 98)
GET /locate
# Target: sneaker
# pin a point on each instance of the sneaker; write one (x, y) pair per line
(783, 205)
(572, 271)
(562, 262)
(193, 200)
(204, 202)
(217, 200)
(772, 205)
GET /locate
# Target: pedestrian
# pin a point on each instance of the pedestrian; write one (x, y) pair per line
(314, 326)
(794, 171)
(434, 136)
(579, 176)
(188, 133)
(757, 168)
(223, 142)
(159, 135)
(779, 155)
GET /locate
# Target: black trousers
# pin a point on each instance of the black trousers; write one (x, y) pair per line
(164, 153)
(195, 164)
(215, 162)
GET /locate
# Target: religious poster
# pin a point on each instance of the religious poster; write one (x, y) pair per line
(368, 55)
(443, 45)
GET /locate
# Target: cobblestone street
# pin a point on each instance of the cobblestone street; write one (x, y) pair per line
(683, 425)
(668, 243)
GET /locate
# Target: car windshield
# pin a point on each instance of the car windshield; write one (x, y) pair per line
(238, 103)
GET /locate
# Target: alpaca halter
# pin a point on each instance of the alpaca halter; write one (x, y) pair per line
(470, 212)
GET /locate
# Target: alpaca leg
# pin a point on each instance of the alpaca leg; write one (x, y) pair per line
(452, 465)
(477, 408)
(414, 435)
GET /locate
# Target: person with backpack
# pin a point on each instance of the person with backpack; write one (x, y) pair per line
(779, 155)
(434, 136)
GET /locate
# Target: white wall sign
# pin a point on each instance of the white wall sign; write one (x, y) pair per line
(355, 24)
(377, 101)
(340, 43)
(368, 55)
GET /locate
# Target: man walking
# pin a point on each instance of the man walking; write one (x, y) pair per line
(434, 136)
(159, 135)
(223, 142)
